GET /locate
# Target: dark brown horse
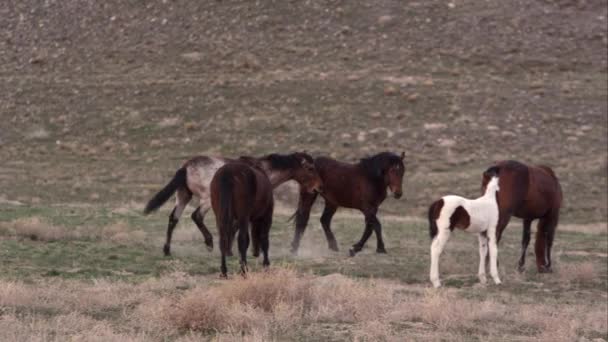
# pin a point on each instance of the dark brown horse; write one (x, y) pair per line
(194, 177)
(361, 186)
(242, 195)
(529, 193)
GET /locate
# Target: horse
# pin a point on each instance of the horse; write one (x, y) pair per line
(478, 216)
(529, 193)
(195, 175)
(361, 186)
(241, 195)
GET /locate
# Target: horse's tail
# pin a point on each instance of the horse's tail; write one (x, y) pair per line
(179, 180)
(434, 212)
(226, 185)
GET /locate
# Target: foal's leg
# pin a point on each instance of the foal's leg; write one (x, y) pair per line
(525, 241)
(483, 252)
(326, 217)
(493, 246)
(302, 215)
(198, 216)
(551, 228)
(366, 234)
(243, 226)
(182, 198)
(436, 249)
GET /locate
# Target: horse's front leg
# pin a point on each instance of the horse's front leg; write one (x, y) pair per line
(369, 228)
(375, 223)
(483, 251)
(525, 241)
(305, 202)
(494, 259)
(436, 249)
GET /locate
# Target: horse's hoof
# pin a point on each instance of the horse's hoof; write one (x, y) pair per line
(294, 251)
(352, 252)
(334, 247)
(545, 269)
(381, 250)
(223, 276)
(521, 269)
(209, 244)
(437, 284)
(167, 250)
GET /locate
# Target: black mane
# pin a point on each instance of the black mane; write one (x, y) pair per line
(376, 165)
(289, 161)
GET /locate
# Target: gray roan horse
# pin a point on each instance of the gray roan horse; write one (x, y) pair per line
(194, 178)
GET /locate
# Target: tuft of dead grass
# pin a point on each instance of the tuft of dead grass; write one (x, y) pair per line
(121, 232)
(275, 300)
(35, 228)
(577, 273)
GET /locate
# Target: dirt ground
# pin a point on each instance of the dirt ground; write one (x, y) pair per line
(101, 102)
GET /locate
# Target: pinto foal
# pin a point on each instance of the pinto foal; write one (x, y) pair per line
(474, 216)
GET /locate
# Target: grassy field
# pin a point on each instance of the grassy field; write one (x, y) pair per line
(92, 274)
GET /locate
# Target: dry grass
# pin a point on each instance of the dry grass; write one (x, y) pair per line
(121, 232)
(577, 273)
(35, 228)
(276, 305)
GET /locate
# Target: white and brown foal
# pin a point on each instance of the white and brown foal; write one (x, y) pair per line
(479, 216)
(194, 179)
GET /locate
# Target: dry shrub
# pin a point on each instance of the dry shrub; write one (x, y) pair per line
(36, 229)
(554, 324)
(339, 298)
(583, 272)
(273, 302)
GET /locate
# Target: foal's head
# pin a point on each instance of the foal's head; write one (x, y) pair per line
(489, 182)
(388, 168)
(298, 166)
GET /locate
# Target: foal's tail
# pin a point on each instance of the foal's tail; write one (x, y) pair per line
(434, 211)
(179, 180)
(226, 184)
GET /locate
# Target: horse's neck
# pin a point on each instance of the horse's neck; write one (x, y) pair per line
(491, 189)
(277, 177)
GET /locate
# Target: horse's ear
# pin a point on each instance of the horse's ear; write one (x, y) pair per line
(402, 155)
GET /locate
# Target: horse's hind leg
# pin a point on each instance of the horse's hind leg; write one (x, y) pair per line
(437, 247)
(262, 229)
(328, 214)
(182, 198)
(544, 241)
(198, 216)
(525, 241)
(302, 215)
(243, 226)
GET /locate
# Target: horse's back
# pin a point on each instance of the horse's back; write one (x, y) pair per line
(545, 186)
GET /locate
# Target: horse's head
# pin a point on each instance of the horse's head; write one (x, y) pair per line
(388, 168)
(306, 174)
(298, 166)
(394, 175)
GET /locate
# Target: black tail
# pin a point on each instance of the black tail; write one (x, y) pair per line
(433, 214)
(226, 219)
(163, 196)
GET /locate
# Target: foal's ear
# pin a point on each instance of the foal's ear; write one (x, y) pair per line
(402, 155)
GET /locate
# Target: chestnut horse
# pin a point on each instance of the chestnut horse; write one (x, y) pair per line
(242, 195)
(361, 186)
(529, 193)
(194, 177)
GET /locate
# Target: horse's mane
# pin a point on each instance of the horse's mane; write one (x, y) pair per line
(288, 161)
(376, 165)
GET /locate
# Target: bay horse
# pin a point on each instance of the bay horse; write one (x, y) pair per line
(479, 216)
(194, 178)
(361, 186)
(529, 193)
(241, 195)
